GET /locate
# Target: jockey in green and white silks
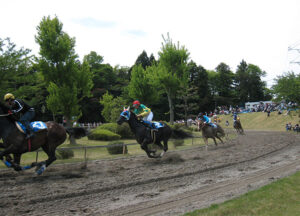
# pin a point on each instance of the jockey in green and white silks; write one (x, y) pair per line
(205, 119)
(142, 111)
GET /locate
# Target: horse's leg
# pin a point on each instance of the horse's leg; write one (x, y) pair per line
(206, 143)
(220, 139)
(145, 148)
(51, 154)
(215, 141)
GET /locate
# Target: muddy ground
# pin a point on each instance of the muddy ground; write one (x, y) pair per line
(179, 182)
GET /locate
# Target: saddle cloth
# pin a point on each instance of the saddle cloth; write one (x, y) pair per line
(36, 125)
(155, 125)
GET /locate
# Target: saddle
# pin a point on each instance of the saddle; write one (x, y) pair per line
(36, 125)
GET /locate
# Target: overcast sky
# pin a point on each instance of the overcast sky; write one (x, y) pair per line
(213, 31)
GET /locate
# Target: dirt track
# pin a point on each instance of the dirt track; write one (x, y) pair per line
(178, 183)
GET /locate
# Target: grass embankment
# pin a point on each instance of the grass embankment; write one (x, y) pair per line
(260, 120)
(276, 199)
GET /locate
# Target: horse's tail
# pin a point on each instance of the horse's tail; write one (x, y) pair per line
(77, 132)
(221, 131)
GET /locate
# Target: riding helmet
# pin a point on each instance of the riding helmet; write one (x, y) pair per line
(136, 102)
(9, 96)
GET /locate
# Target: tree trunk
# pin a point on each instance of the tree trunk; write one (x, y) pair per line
(170, 107)
(71, 137)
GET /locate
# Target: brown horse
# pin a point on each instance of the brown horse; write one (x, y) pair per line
(210, 132)
(14, 142)
(238, 126)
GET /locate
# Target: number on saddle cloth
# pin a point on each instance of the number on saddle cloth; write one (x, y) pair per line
(36, 126)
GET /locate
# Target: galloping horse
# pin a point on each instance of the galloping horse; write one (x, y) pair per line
(238, 126)
(14, 142)
(210, 132)
(143, 134)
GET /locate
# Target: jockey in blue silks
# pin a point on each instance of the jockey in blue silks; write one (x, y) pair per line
(206, 120)
(235, 117)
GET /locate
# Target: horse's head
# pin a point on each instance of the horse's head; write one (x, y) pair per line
(124, 116)
(200, 124)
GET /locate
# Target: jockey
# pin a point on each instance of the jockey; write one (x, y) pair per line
(27, 112)
(235, 117)
(206, 120)
(142, 111)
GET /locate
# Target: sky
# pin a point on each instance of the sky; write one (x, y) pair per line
(261, 32)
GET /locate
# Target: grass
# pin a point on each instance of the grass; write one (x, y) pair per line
(276, 199)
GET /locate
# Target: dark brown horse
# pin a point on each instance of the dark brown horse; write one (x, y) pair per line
(14, 142)
(238, 126)
(210, 132)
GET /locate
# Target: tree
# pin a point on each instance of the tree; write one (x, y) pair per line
(287, 87)
(140, 86)
(241, 81)
(112, 107)
(171, 72)
(68, 80)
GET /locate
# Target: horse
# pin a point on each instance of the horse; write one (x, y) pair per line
(15, 142)
(210, 132)
(145, 135)
(238, 126)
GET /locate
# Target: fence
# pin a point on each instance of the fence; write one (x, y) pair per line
(85, 153)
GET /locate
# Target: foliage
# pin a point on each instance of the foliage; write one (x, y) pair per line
(171, 71)
(140, 86)
(116, 147)
(287, 87)
(69, 80)
(102, 134)
(112, 107)
(63, 154)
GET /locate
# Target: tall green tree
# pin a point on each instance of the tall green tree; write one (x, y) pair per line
(69, 80)
(171, 72)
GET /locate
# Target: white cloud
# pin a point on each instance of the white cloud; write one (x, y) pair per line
(258, 31)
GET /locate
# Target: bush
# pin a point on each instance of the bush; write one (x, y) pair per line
(102, 134)
(116, 148)
(64, 153)
(122, 130)
(180, 131)
(109, 126)
(178, 142)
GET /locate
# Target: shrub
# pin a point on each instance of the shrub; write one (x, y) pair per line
(116, 147)
(109, 126)
(123, 130)
(64, 153)
(178, 142)
(102, 134)
(180, 131)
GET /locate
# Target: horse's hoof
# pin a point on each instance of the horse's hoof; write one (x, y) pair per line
(18, 168)
(162, 154)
